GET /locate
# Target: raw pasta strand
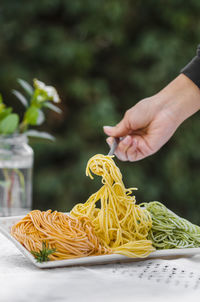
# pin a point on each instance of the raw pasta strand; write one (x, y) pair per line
(120, 224)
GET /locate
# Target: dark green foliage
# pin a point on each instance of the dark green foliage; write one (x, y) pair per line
(103, 57)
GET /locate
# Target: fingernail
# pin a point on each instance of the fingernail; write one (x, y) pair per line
(107, 128)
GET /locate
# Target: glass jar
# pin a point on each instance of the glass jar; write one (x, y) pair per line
(16, 163)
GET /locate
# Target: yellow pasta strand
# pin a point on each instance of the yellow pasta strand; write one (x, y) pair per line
(121, 225)
(71, 237)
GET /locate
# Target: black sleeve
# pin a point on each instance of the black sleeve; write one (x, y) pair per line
(192, 69)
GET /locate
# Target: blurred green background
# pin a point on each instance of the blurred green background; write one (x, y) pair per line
(103, 57)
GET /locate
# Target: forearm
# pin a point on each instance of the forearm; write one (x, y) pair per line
(181, 98)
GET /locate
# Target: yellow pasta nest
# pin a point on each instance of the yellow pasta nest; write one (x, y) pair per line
(119, 223)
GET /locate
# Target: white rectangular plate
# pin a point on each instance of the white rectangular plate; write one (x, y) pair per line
(7, 222)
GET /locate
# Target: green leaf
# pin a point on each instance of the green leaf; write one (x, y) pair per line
(39, 134)
(9, 124)
(26, 86)
(5, 112)
(43, 255)
(1, 99)
(20, 97)
(31, 115)
(52, 107)
(2, 105)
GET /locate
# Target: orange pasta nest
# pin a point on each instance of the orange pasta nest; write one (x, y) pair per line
(71, 237)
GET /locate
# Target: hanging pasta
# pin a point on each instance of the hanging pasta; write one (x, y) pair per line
(69, 237)
(120, 224)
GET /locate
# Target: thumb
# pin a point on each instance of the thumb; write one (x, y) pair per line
(118, 130)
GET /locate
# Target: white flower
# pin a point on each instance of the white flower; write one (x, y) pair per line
(49, 90)
(38, 84)
(52, 93)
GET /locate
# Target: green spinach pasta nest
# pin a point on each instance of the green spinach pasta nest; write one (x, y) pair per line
(169, 230)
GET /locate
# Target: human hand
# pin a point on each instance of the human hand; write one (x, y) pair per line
(148, 125)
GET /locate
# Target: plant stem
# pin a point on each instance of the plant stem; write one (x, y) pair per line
(8, 189)
(23, 127)
(22, 185)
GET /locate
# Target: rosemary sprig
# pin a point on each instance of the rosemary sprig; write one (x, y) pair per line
(43, 255)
